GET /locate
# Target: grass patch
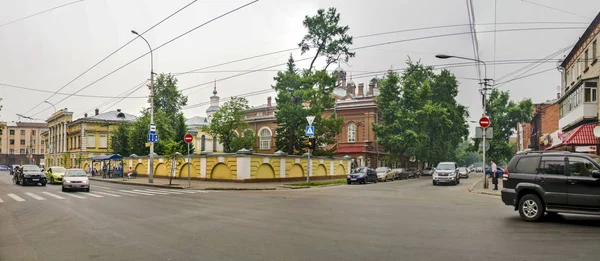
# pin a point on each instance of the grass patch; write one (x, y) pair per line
(320, 183)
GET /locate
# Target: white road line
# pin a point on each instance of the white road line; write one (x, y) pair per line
(151, 192)
(96, 186)
(1, 200)
(94, 195)
(15, 197)
(34, 196)
(52, 195)
(107, 194)
(72, 195)
(137, 193)
(182, 191)
(123, 193)
(161, 191)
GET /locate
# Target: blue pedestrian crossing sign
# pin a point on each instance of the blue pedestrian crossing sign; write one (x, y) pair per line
(152, 137)
(310, 131)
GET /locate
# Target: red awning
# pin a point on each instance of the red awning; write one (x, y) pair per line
(582, 135)
(347, 149)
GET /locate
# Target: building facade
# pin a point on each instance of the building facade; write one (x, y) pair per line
(56, 137)
(22, 142)
(578, 104)
(203, 141)
(543, 123)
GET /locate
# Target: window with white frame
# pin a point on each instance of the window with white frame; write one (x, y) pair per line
(265, 139)
(351, 132)
(91, 141)
(103, 142)
(591, 92)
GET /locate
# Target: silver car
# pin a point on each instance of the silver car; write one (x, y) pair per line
(463, 172)
(76, 179)
(446, 172)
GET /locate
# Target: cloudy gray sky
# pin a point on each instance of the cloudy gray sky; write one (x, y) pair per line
(49, 50)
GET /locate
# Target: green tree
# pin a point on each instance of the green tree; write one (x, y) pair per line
(119, 141)
(227, 120)
(504, 115)
(465, 157)
(246, 141)
(166, 96)
(138, 133)
(180, 129)
(326, 36)
(173, 157)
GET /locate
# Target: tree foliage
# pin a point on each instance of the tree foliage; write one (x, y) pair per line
(166, 96)
(504, 115)
(419, 114)
(229, 119)
(119, 141)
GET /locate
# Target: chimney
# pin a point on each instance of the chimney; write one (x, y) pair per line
(118, 110)
(350, 89)
(371, 88)
(361, 89)
(97, 111)
(269, 101)
(85, 115)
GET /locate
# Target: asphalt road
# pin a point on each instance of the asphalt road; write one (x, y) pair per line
(400, 220)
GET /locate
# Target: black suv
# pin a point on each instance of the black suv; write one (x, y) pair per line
(552, 182)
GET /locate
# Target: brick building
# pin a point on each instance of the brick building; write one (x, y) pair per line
(22, 143)
(535, 135)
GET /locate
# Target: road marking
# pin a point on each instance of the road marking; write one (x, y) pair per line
(1, 200)
(34, 196)
(162, 191)
(15, 197)
(107, 194)
(72, 195)
(185, 191)
(123, 193)
(134, 192)
(95, 186)
(52, 195)
(151, 192)
(94, 195)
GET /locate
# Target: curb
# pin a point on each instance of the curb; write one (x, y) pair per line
(139, 184)
(486, 193)
(474, 185)
(235, 189)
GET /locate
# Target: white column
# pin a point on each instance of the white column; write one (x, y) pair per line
(331, 168)
(282, 167)
(203, 167)
(243, 167)
(64, 137)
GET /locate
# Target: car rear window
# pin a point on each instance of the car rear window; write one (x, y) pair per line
(528, 165)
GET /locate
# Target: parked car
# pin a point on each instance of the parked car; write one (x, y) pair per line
(400, 173)
(463, 172)
(446, 172)
(76, 179)
(479, 169)
(499, 170)
(413, 173)
(55, 174)
(4, 168)
(30, 174)
(427, 171)
(384, 174)
(362, 175)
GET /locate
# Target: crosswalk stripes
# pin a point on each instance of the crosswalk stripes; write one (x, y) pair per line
(107, 194)
(93, 195)
(72, 195)
(95, 186)
(1, 200)
(34, 196)
(52, 195)
(15, 197)
(175, 192)
(134, 192)
(154, 192)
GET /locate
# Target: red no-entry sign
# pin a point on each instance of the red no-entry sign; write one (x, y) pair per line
(188, 138)
(484, 122)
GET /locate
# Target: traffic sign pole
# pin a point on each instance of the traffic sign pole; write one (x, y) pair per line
(188, 138)
(310, 128)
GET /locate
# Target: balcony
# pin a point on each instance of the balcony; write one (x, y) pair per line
(584, 112)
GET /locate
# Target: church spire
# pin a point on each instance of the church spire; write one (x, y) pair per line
(215, 88)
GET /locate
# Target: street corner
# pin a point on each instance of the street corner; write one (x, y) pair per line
(477, 188)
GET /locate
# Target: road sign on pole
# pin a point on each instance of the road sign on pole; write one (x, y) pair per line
(310, 131)
(188, 138)
(484, 122)
(152, 128)
(310, 120)
(152, 137)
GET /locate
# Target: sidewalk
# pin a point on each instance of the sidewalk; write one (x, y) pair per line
(197, 184)
(478, 187)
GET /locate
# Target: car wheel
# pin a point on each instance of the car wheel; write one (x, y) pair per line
(531, 208)
(43, 184)
(63, 189)
(87, 190)
(51, 180)
(458, 181)
(349, 182)
(434, 183)
(23, 182)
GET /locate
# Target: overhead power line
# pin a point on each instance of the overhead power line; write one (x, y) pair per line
(39, 13)
(108, 56)
(120, 97)
(556, 9)
(160, 46)
(538, 62)
(524, 76)
(59, 93)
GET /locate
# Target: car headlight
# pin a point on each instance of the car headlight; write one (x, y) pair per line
(68, 181)
(85, 181)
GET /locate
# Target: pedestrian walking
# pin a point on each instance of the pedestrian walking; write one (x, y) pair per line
(494, 175)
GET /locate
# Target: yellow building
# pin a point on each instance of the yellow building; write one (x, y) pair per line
(86, 137)
(56, 137)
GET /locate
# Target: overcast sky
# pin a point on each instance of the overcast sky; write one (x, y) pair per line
(49, 50)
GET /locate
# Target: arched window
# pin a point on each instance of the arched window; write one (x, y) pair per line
(203, 143)
(265, 139)
(351, 132)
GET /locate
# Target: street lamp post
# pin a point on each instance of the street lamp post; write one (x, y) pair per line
(151, 164)
(51, 104)
(484, 94)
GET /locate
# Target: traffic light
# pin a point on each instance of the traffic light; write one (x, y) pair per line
(309, 143)
(312, 143)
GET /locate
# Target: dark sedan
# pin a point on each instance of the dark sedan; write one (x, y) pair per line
(362, 176)
(30, 174)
